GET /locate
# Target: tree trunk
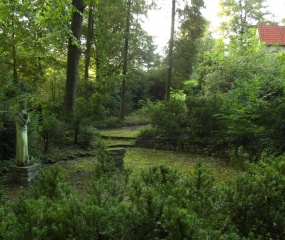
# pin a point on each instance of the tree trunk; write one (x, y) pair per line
(88, 45)
(15, 74)
(73, 61)
(170, 55)
(125, 63)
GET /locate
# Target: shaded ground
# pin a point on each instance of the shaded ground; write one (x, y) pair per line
(139, 158)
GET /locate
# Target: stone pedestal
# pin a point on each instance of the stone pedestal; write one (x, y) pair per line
(23, 175)
(118, 154)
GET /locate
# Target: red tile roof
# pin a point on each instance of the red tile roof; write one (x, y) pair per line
(272, 34)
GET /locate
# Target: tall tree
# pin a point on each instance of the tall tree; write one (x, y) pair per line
(191, 29)
(240, 15)
(89, 37)
(125, 63)
(73, 60)
(170, 54)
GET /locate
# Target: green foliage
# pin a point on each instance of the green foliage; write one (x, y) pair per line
(239, 157)
(240, 105)
(157, 189)
(148, 134)
(105, 214)
(156, 79)
(87, 135)
(255, 200)
(8, 135)
(52, 210)
(192, 26)
(202, 112)
(193, 119)
(169, 117)
(51, 184)
(7, 125)
(106, 165)
(4, 164)
(51, 130)
(241, 16)
(240, 116)
(168, 205)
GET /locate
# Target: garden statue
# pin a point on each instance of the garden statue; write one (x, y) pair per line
(22, 119)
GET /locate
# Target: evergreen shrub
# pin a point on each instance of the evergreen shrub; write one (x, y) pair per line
(202, 112)
(192, 120)
(170, 118)
(255, 200)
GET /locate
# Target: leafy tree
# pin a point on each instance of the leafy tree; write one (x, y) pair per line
(170, 118)
(244, 60)
(191, 29)
(241, 15)
(249, 80)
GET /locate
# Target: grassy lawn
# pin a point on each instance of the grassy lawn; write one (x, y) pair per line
(128, 132)
(138, 159)
(112, 142)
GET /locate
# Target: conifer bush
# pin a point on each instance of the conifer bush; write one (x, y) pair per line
(255, 201)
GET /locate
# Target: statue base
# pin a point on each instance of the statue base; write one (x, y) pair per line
(117, 155)
(23, 175)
